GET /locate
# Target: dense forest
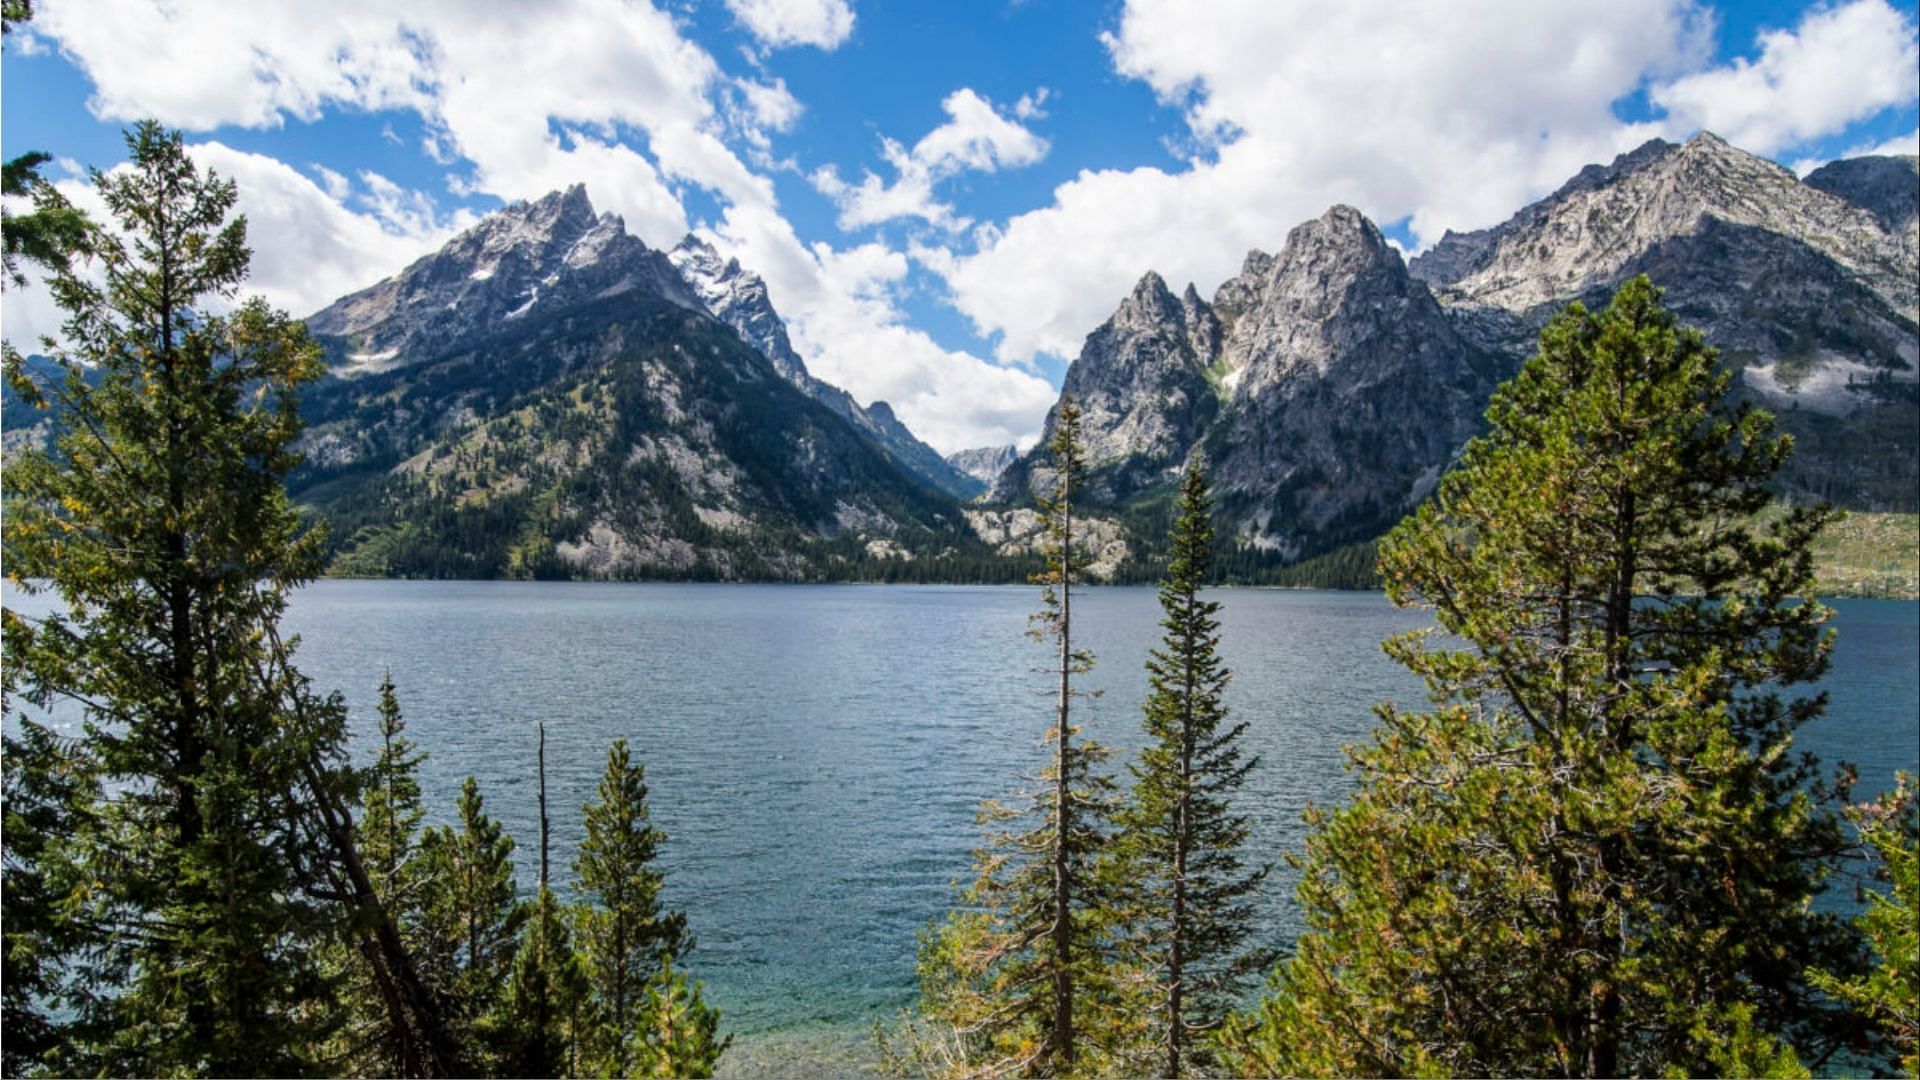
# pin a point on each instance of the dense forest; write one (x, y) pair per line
(1593, 854)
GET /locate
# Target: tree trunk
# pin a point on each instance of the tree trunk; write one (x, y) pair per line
(1063, 809)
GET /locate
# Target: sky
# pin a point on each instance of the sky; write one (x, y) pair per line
(944, 198)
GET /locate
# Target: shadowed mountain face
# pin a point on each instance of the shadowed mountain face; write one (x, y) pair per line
(547, 396)
(1886, 187)
(1329, 384)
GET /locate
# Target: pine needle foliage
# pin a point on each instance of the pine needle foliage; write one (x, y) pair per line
(161, 522)
(1888, 995)
(470, 920)
(1595, 855)
(626, 934)
(1187, 917)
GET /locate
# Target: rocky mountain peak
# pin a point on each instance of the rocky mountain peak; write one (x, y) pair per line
(527, 259)
(984, 463)
(1150, 304)
(1142, 388)
(739, 298)
(1588, 234)
(1334, 273)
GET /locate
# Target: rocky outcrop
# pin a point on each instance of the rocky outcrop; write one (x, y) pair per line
(1886, 187)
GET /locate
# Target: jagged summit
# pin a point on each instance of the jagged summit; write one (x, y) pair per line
(1296, 303)
(984, 463)
(738, 297)
(527, 259)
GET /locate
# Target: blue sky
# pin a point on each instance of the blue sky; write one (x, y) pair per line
(944, 198)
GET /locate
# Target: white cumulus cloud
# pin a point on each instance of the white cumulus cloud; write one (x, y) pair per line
(975, 137)
(781, 23)
(1838, 66)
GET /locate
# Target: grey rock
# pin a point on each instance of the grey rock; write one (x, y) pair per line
(984, 463)
(528, 262)
(1808, 289)
(1347, 385)
(1142, 385)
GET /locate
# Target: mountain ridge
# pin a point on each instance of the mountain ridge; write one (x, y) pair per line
(1345, 380)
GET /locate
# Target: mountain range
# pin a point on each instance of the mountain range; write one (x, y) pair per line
(547, 395)
(1330, 384)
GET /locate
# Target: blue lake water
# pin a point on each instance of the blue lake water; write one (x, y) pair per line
(816, 752)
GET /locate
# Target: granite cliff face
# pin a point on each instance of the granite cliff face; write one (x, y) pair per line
(546, 396)
(1323, 383)
(1348, 388)
(1329, 384)
(1886, 187)
(739, 298)
(1143, 390)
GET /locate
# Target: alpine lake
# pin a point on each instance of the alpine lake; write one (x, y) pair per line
(816, 753)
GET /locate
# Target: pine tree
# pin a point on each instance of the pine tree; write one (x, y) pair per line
(1189, 915)
(390, 812)
(1595, 855)
(376, 1041)
(625, 934)
(469, 918)
(161, 522)
(1003, 979)
(678, 1033)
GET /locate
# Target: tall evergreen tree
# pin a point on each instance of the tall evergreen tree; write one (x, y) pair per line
(161, 523)
(1188, 916)
(376, 1040)
(390, 811)
(626, 936)
(470, 919)
(1595, 856)
(1003, 980)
